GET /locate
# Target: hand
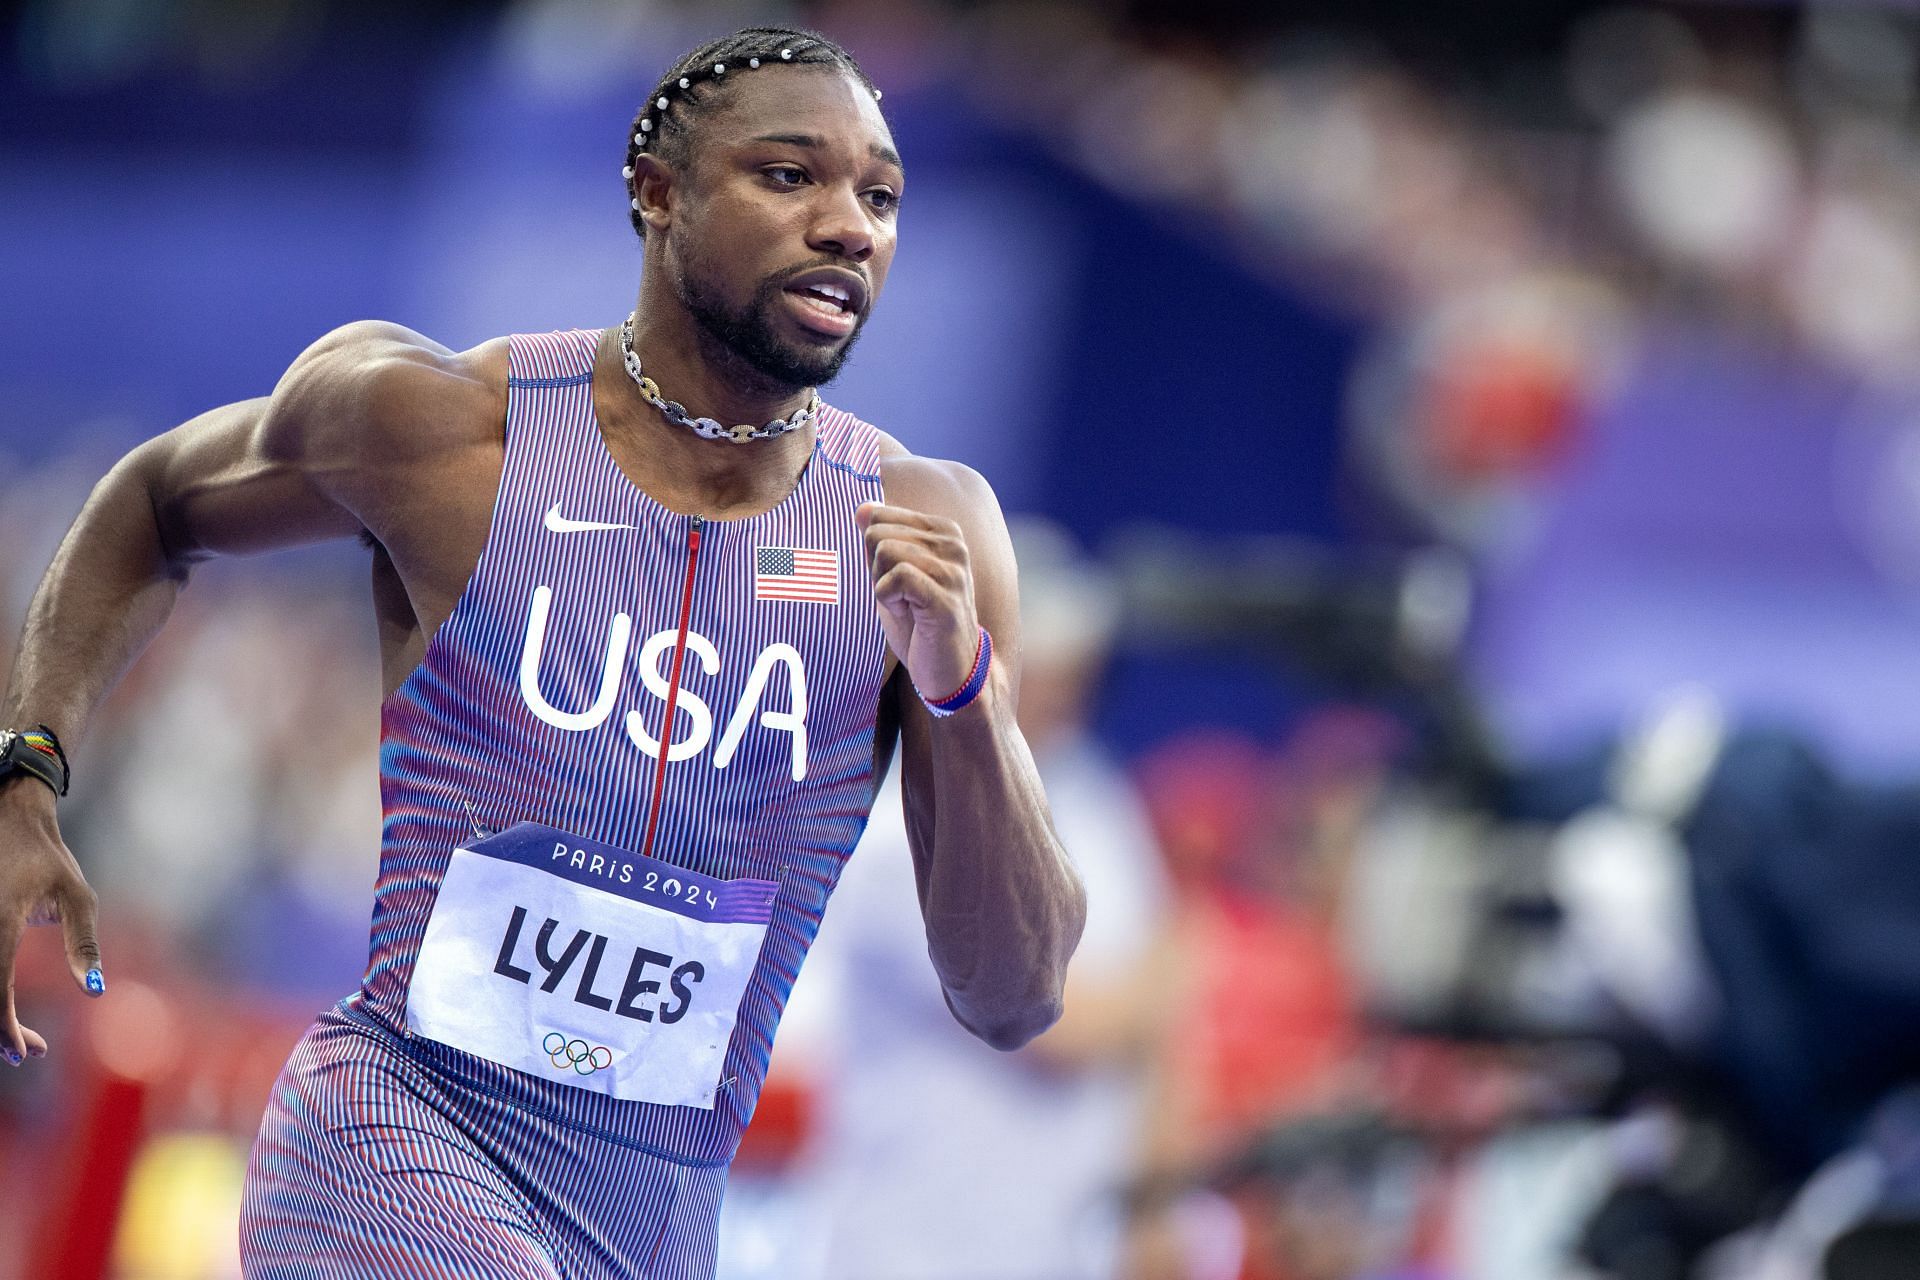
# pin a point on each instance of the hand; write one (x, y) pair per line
(923, 587)
(40, 883)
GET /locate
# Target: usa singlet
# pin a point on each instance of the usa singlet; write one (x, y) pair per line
(617, 791)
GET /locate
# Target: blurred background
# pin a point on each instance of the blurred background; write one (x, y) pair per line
(1468, 457)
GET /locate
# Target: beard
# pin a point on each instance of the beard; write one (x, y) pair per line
(749, 333)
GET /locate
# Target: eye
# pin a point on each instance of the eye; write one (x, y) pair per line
(882, 199)
(786, 175)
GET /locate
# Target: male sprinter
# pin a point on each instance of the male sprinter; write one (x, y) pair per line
(644, 663)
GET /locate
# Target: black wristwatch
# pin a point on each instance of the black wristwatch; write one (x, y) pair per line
(36, 751)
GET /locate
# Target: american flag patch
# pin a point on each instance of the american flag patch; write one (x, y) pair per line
(796, 573)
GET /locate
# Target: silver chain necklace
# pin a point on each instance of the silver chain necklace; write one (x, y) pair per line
(675, 412)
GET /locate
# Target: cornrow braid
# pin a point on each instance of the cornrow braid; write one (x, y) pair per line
(664, 124)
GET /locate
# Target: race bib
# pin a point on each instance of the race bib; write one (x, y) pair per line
(580, 962)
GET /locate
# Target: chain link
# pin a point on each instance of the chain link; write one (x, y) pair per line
(676, 413)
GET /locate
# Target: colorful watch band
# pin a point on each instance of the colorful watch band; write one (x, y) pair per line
(36, 751)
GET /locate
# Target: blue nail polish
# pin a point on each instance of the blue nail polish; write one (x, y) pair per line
(13, 1057)
(96, 983)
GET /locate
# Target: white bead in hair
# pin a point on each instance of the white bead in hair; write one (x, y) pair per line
(636, 204)
(626, 171)
(646, 126)
(684, 82)
(639, 139)
(876, 95)
(786, 55)
(719, 68)
(661, 103)
(753, 62)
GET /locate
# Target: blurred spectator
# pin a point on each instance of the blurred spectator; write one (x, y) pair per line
(939, 1159)
(1262, 845)
(1259, 846)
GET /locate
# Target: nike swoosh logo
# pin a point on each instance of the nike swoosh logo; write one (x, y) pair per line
(558, 523)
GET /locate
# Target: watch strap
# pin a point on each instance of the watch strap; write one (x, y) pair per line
(36, 751)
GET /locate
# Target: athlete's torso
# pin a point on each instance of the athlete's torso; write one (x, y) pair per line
(542, 698)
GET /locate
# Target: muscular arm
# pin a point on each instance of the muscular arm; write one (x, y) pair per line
(1003, 906)
(299, 466)
(207, 484)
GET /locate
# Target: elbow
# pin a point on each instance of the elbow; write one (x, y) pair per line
(1015, 1031)
(1021, 1000)
(1017, 1015)
(128, 498)
(1020, 1023)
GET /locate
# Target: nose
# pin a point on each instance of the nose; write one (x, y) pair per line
(841, 227)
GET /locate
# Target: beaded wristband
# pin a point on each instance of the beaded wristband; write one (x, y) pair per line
(970, 689)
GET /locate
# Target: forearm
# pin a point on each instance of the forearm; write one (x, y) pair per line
(1004, 906)
(108, 590)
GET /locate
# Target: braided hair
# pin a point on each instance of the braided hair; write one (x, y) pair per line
(664, 124)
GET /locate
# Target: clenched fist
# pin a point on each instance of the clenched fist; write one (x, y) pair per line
(923, 587)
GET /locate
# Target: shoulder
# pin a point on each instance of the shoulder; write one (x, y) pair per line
(373, 386)
(937, 486)
(953, 490)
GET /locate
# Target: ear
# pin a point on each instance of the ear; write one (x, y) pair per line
(655, 185)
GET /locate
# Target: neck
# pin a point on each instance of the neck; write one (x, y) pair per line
(677, 468)
(698, 370)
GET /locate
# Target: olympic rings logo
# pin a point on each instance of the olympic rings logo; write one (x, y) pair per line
(582, 1057)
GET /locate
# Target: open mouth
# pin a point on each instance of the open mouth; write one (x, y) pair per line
(828, 300)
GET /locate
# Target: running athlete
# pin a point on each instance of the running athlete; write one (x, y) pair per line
(652, 620)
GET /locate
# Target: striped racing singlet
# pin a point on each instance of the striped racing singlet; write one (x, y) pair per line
(542, 700)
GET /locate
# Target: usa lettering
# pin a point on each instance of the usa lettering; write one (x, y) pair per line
(652, 659)
(554, 958)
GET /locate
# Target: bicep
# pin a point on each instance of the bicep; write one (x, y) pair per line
(218, 489)
(303, 465)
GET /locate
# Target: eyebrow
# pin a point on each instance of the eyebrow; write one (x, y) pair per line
(884, 154)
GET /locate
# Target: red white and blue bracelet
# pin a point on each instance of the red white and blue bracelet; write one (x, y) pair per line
(970, 688)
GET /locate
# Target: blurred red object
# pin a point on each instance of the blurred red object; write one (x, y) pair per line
(1263, 1014)
(782, 1120)
(1204, 792)
(1499, 408)
(1273, 1019)
(75, 1239)
(159, 1053)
